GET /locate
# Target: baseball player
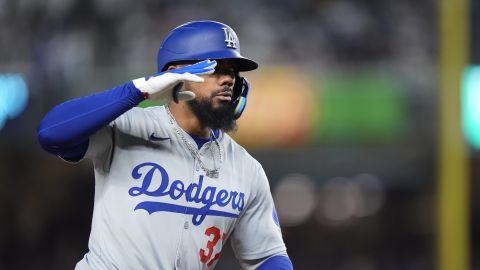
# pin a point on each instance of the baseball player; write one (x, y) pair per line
(171, 186)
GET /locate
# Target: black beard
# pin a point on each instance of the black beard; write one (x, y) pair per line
(215, 118)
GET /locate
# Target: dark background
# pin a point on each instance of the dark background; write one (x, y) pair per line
(68, 48)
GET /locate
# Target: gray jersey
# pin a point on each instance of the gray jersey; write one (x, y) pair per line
(156, 209)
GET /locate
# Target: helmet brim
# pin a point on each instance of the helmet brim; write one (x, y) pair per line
(243, 64)
(240, 64)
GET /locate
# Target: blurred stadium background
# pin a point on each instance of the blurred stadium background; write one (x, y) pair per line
(354, 114)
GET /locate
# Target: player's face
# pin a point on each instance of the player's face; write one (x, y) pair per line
(213, 104)
(217, 86)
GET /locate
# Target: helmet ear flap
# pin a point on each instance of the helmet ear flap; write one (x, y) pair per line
(240, 95)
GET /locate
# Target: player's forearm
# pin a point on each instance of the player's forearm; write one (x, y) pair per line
(67, 127)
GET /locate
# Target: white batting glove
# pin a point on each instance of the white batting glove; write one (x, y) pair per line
(167, 85)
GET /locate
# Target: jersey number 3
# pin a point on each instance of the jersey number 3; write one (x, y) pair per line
(205, 255)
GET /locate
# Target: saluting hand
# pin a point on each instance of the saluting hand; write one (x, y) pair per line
(166, 86)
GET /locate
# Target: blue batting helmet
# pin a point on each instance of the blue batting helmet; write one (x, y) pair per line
(200, 40)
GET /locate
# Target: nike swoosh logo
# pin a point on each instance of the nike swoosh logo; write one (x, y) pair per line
(154, 138)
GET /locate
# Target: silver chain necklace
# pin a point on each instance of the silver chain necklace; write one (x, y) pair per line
(212, 173)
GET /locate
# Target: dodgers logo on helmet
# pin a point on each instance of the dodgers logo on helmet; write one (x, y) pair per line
(230, 39)
(200, 40)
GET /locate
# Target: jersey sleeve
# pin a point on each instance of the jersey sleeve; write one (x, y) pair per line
(100, 148)
(257, 234)
(279, 261)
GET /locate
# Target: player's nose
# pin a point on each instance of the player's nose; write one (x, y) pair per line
(226, 80)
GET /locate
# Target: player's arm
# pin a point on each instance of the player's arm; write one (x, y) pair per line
(257, 239)
(66, 129)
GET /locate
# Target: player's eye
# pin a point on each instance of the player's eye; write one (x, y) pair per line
(225, 71)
